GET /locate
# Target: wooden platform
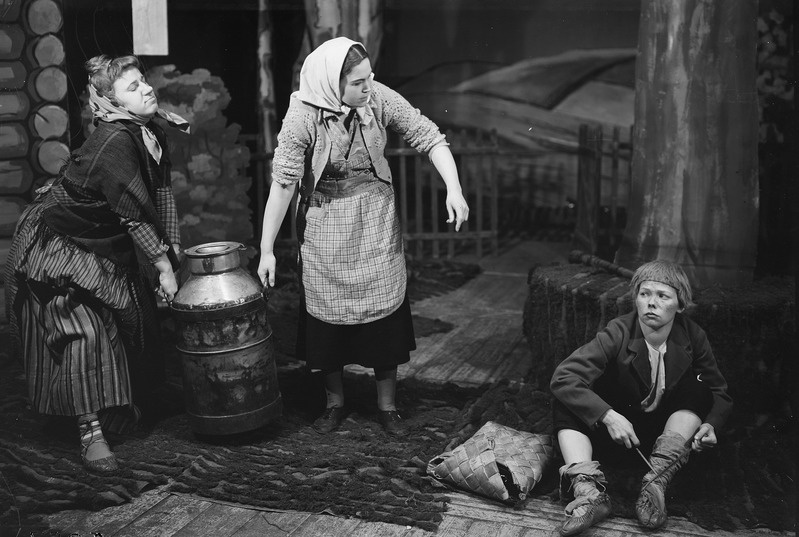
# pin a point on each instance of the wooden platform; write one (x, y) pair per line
(485, 345)
(159, 514)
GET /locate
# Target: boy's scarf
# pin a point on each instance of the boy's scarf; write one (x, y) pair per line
(104, 110)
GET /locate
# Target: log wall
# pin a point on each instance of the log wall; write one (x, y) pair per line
(34, 133)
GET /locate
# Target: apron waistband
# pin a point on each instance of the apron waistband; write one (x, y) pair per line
(343, 188)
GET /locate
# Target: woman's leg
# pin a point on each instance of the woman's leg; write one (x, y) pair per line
(334, 388)
(334, 413)
(95, 452)
(386, 380)
(390, 419)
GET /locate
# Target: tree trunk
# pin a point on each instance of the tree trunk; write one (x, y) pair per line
(360, 20)
(150, 28)
(694, 196)
(266, 80)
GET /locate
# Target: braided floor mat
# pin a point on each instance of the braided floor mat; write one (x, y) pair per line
(355, 471)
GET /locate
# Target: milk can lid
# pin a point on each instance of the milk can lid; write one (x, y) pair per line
(213, 249)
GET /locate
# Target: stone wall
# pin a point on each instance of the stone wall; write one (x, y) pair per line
(751, 329)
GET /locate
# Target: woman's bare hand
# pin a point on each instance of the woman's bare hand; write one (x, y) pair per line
(457, 209)
(168, 285)
(266, 269)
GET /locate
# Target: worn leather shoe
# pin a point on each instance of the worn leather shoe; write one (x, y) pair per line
(106, 465)
(650, 508)
(586, 513)
(392, 422)
(329, 420)
(92, 439)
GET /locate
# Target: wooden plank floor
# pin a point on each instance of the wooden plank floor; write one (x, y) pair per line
(485, 345)
(160, 513)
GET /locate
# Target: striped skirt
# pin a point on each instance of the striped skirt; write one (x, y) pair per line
(81, 354)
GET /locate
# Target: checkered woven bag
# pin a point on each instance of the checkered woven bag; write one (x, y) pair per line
(497, 461)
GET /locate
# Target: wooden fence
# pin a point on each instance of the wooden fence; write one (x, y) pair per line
(497, 183)
(421, 196)
(602, 193)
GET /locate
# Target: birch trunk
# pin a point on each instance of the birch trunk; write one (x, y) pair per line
(694, 195)
(266, 80)
(360, 20)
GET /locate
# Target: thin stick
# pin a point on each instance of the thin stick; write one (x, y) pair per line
(646, 461)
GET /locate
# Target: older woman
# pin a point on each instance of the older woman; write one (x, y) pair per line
(354, 306)
(649, 379)
(81, 308)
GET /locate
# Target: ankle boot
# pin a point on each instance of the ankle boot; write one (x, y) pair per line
(669, 454)
(91, 433)
(585, 484)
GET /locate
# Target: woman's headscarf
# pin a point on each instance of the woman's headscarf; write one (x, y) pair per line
(321, 73)
(105, 110)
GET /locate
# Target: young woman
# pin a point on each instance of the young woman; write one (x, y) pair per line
(84, 316)
(354, 306)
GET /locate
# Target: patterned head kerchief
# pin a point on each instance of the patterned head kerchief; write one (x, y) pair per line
(104, 110)
(321, 72)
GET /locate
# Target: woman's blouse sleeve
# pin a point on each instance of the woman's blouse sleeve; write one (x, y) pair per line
(418, 130)
(168, 212)
(127, 195)
(164, 196)
(293, 141)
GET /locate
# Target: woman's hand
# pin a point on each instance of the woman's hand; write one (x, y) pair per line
(620, 429)
(168, 285)
(266, 269)
(457, 208)
(704, 438)
(167, 282)
(444, 163)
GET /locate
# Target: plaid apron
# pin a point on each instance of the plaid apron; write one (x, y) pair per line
(351, 254)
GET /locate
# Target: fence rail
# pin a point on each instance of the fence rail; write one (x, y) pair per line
(422, 196)
(602, 197)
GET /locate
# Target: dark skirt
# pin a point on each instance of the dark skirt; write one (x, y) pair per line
(381, 344)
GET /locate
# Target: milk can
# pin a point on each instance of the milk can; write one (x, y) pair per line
(225, 344)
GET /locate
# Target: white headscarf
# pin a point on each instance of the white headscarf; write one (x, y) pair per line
(321, 73)
(105, 110)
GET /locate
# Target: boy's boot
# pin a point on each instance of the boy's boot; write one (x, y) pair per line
(585, 483)
(669, 454)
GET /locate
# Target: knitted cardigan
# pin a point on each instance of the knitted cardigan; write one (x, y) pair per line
(304, 146)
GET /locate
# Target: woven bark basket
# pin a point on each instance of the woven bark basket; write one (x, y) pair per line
(497, 462)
